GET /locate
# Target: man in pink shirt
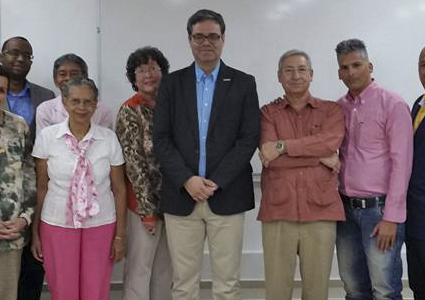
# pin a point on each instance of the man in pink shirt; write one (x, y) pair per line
(52, 111)
(376, 162)
(300, 204)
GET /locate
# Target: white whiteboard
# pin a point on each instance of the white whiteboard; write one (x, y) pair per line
(258, 32)
(53, 28)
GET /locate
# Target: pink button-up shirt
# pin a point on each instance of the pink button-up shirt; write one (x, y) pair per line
(377, 150)
(53, 112)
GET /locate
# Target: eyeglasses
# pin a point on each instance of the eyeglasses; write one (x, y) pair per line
(300, 71)
(84, 102)
(145, 71)
(16, 53)
(199, 38)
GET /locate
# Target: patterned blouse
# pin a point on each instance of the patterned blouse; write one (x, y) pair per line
(17, 176)
(134, 129)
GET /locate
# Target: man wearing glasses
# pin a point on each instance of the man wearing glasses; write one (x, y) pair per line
(300, 204)
(206, 129)
(23, 98)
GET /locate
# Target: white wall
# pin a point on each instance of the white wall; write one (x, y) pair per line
(53, 28)
(258, 32)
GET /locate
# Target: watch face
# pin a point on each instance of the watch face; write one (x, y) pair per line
(279, 146)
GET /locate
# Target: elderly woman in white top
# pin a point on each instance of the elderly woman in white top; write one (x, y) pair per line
(79, 222)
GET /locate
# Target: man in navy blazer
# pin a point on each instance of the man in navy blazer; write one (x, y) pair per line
(415, 223)
(206, 129)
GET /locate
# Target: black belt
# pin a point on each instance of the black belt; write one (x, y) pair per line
(362, 203)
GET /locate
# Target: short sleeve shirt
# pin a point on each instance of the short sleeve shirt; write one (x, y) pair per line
(61, 162)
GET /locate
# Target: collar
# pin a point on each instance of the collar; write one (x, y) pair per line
(310, 101)
(4, 116)
(59, 105)
(21, 93)
(364, 95)
(93, 132)
(422, 102)
(200, 74)
(137, 100)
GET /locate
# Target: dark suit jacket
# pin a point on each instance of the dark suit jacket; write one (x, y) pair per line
(233, 135)
(416, 193)
(38, 94)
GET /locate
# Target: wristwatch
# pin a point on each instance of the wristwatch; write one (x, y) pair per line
(280, 147)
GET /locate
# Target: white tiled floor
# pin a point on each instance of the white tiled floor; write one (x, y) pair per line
(256, 292)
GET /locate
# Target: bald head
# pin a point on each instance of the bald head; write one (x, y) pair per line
(421, 67)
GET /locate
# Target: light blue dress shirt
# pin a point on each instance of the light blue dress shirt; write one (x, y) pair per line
(205, 86)
(21, 104)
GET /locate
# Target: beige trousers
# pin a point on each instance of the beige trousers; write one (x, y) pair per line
(313, 242)
(10, 267)
(147, 267)
(186, 236)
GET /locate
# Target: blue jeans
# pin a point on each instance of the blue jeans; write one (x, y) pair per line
(367, 273)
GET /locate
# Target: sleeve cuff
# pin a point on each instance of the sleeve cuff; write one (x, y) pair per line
(27, 218)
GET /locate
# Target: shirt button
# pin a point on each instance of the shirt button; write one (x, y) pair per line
(206, 104)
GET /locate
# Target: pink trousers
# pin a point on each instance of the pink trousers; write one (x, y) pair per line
(77, 261)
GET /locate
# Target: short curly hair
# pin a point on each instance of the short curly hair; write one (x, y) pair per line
(141, 56)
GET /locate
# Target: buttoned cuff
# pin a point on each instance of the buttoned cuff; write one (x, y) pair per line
(26, 217)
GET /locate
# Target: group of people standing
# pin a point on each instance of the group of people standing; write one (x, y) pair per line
(177, 171)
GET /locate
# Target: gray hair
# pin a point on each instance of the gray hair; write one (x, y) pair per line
(293, 52)
(70, 58)
(79, 81)
(351, 45)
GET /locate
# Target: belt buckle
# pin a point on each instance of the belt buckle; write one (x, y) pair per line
(354, 201)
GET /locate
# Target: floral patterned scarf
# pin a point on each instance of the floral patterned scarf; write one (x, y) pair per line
(82, 199)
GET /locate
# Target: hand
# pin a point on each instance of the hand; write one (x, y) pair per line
(210, 183)
(11, 230)
(332, 162)
(36, 249)
(150, 223)
(385, 232)
(199, 188)
(117, 249)
(268, 153)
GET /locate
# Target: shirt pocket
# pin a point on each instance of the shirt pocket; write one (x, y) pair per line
(315, 128)
(369, 133)
(276, 188)
(13, 148)
(323, 187)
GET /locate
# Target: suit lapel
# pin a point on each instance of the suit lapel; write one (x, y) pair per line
(415, 111)
(222, 85)
(189, 90)
(35, 95)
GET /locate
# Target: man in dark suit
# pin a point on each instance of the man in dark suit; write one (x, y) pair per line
(23, 98)
(415, 234)
(206, 129)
